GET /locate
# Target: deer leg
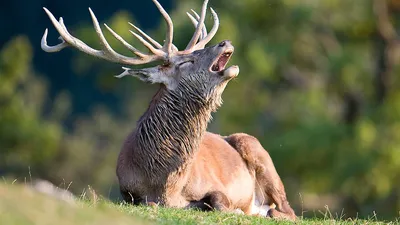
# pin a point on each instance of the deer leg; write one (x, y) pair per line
(270, 188)
(215, 200)
(130, 197)
(218, 201)
(134, 199)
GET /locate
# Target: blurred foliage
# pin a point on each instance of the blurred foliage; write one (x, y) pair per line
(25, 138)
(318, 86)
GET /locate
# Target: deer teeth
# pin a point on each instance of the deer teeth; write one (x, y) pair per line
(221, 61)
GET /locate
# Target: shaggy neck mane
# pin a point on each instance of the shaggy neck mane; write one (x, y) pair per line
(171, 129)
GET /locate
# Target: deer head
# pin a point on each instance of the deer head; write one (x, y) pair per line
(198, 68)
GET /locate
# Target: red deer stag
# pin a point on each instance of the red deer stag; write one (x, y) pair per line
(169, 158)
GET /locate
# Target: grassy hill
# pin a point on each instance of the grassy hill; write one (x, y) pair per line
(21, 205)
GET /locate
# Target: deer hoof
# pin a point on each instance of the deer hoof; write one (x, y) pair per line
(152, 204)
(275, 214)
(238, 211)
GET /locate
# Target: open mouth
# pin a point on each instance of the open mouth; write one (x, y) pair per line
(222, 60)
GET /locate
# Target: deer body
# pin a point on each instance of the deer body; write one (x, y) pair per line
(206, 172)
(170, 158)
(171, 154)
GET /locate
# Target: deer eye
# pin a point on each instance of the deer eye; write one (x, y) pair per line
(185, 63)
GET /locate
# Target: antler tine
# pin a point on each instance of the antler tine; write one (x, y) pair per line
(204, 30)
(152, 41)
(50, 49)
(212, 33)
(61, 22)
(168, 46)
(126, 44)
(200, 24)
(148, 45)
(195, 22)
(58, 47)
(108, 51)
(105, 46)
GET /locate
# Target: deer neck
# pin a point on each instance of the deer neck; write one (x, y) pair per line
(170, 131)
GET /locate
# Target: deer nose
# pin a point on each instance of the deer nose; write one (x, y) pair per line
(223, 43)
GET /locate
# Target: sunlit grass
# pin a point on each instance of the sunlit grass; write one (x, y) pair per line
(22, 205)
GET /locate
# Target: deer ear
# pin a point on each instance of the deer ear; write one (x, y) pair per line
(150, 75)
(142, 74)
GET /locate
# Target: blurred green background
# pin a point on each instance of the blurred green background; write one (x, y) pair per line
(319, 86)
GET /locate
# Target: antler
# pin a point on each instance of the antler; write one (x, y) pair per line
(195, 22)
(158, 51)
(204, 38)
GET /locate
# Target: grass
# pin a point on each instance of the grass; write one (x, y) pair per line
(21, 205)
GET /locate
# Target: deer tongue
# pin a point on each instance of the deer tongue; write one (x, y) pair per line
(221, 62)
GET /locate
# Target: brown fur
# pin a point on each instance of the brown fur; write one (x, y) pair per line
(223, 173)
